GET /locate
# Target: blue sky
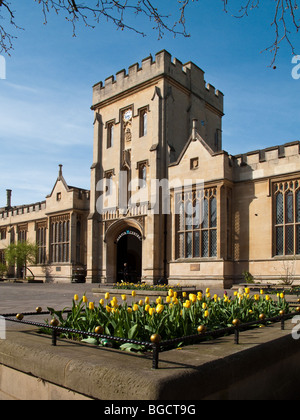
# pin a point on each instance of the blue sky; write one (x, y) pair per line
(45, 116)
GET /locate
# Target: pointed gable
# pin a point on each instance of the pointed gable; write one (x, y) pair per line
(198, 161)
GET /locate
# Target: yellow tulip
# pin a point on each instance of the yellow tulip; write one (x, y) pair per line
(262, 292)
(215, 298)
(204, 306)
(108, 308)
(282, 295)
(235, 294)
(133, 294)
(151, 311)
(256, 297)
(141, 303)
(168, 299)
(75, 297)
(147, 300)
(187, 304)
(175, 301)
(207, 290)
(158, 300)
(91, 306)
(175, 294)
(124, 297)
(106, 296)
(206, 314)
(170, 293)
(129, 310)
(101, 302)
(147, 307)
(159, 308)
(247, 290)
(192, 298)
(208, 295)
(84, 299)
(113, 303)
(184, 294)
(135, 307)
(267, 298)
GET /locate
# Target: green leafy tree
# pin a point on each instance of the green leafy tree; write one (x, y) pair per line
(20, 255)
(3, 270)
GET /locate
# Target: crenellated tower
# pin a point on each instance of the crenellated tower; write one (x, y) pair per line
(143, 118)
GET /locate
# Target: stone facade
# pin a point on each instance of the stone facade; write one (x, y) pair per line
(165, 198)
(57, 225)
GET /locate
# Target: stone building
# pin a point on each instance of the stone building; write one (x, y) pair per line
(165, 199)
(57, 225)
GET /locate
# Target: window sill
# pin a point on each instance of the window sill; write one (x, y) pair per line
(195, 260)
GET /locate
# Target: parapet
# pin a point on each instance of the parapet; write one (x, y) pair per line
(189, 75)
(269, 154)
(22, 210)
(267, 162)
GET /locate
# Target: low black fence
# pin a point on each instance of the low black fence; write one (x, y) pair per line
(157, 347)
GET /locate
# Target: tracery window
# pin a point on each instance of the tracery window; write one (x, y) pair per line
(60, 239)
(196, 224)
(2, 234)
(110, 134)
(22, 233)
(287, 218)
(41, 240)
(143, 122)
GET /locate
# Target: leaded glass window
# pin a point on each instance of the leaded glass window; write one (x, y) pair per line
(60, 239)
(287, 218)
(196, 224)
(41, 240)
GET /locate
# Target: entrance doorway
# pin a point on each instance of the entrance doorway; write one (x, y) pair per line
(129, 256)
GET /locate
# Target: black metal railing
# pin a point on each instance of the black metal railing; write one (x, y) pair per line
(159, 347)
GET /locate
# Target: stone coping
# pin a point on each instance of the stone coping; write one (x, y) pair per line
(101, 290)
(264, 286)
(218, 370)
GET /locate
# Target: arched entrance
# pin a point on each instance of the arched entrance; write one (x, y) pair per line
(124, 243)
(129, 256)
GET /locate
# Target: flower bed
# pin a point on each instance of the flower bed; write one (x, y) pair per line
(165, 319)
(145, 287)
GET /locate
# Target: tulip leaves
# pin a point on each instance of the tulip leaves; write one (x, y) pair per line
(174, 318)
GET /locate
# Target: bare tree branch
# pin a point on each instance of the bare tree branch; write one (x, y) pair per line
(91, 13)
(6, 38)
(285, 20)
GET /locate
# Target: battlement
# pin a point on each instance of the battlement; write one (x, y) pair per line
(189, 75)
(269, 154)
(22, 210)
(267, 162)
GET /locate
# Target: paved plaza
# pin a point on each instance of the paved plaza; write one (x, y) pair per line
(25, 297)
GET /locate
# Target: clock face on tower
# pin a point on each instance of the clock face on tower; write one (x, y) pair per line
(127, 115)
